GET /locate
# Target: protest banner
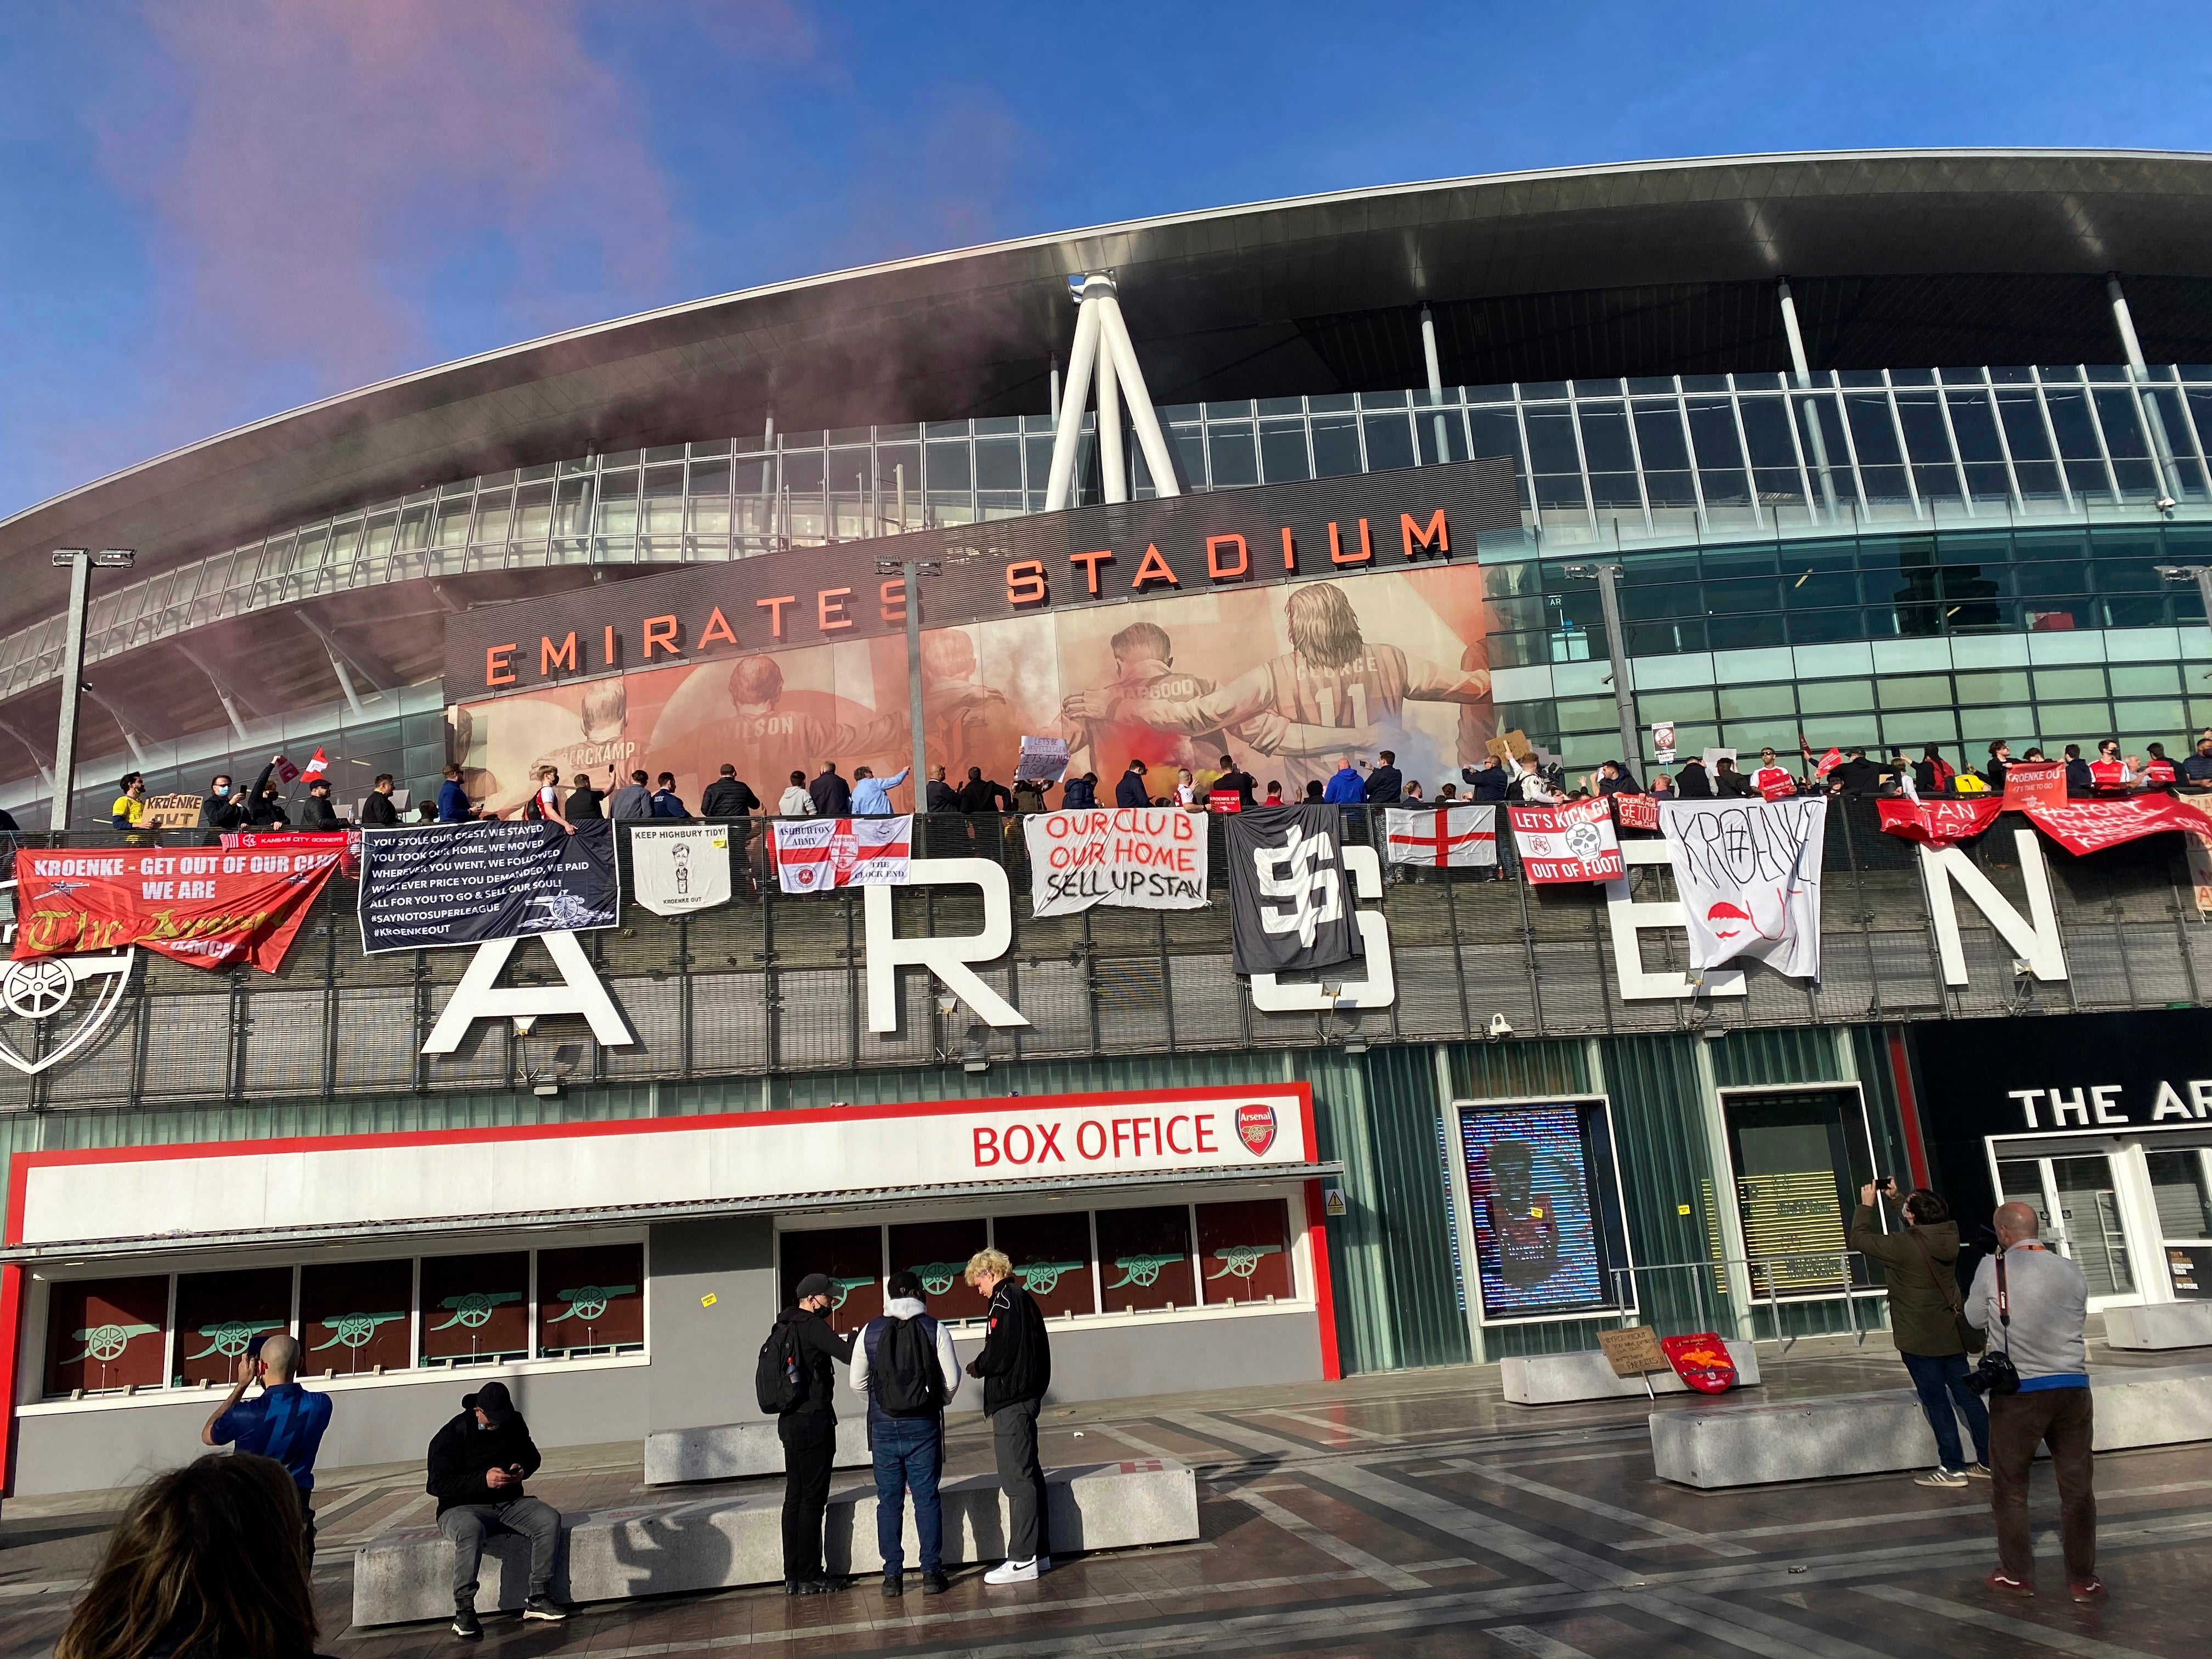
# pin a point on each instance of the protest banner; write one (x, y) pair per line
(1144, 859)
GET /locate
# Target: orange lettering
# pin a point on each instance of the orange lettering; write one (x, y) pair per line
(660, 631)
(830, 608)
(1338, 555)
(549, 659)
(1436, 536)
(1153, 569)
(1025, 582)
(498, 671)
(893, 592)
(1220, 571)
(1090, 564)
(717, 628)
(774, 609)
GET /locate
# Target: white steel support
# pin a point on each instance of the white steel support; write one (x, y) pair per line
(2169, 475)
(1067, 435)
(1435, 383)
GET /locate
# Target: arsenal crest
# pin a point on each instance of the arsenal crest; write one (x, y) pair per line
(55, 1005)
(1255, 1128)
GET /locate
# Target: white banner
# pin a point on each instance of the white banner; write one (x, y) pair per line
(1142, 859)
(680, 867)
(815, 854)
(1442, 835)
(1748, 874)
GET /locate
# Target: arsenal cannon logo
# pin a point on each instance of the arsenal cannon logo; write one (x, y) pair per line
(1255, 1128)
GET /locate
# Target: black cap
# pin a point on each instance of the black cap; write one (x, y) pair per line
(816, 1284)
(492, 1399)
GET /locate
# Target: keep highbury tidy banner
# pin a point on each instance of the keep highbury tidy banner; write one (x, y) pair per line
(213, 907)
(1137, 857)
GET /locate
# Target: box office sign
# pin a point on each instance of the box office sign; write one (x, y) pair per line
(182, 1191)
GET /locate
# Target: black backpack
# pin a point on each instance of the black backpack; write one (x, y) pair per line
(780, 1378)
(907, 1380)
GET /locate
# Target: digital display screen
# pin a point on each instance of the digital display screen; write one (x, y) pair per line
(1546, 1212)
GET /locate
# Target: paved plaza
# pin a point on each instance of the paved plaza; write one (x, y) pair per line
(1412, 1513)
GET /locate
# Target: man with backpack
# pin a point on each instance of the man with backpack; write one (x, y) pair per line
(1015, 1366)
(903, 1362)
(795, 1383)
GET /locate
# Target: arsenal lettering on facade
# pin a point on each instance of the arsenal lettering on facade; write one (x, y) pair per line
(1093, 556)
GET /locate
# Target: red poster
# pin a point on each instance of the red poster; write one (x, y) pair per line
(1635, 812)
(1702, 1361)
(2035, 784)
(211, 907)
(1939, 822)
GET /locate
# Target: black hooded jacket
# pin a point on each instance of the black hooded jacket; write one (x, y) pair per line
(461, 1452)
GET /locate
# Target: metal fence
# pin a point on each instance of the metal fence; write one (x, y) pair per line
(773, 984)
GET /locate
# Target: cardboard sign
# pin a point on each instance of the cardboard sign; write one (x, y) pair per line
(1633, 1352)
(172, 811)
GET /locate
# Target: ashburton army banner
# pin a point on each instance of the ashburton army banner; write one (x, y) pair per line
(213, 907)
(1144, 859)
(1290, 895)
(462, 884)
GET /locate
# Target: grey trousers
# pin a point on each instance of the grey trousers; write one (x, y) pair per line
(1014, 1442)
(467, 1523)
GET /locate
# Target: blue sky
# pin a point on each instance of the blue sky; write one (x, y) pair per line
(213, 210)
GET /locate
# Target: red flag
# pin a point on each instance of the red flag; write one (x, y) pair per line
(316, 767)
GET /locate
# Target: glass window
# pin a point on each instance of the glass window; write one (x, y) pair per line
(591, 1299)
(352, 1317)
(937, 1253)
(1389, 442)
(1283, 451)
(219, 1315)
(852, 1257)
(1335, 447)
(1234, 461)
(1244, 1251)
(1144, 1258)
(476, 1307)
(105, 1334)
(1051, 1253)
(998, 463)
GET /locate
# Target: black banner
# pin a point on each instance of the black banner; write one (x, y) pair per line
(1290, 896)
(462, 884)
(1404, 520)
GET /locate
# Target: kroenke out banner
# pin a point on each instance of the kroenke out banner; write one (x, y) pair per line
(462, 884)
(1282, 624)
(214, 908)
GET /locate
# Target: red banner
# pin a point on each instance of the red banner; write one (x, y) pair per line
(1939, 822)
(1635, 812)
(2079, 826)
(213, 907)
(2034, 784)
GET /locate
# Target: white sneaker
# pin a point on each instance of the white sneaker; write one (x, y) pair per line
(1940, 1477)
(1022, 1572)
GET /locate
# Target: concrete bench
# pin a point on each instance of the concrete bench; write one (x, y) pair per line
(733, 1451)
(1554, 1379)
(2159, 1324)
(1751, 1444)
(715, 1542)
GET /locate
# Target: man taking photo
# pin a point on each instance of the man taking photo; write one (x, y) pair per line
(284, 1421)
(1015, 1366)
(903, 1362)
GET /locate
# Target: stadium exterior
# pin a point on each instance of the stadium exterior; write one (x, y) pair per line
(1888, 448)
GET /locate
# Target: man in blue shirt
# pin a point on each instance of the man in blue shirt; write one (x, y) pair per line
(283, 1421)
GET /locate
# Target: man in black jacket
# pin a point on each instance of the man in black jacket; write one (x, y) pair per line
(809, 1433)
(478, 1464)
(1015, 1366)
(832, 795)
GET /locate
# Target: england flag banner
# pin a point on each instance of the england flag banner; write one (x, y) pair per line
(815, 854)
(1443, 836)
(680, 867)
(1748, 874)
(1575, 842)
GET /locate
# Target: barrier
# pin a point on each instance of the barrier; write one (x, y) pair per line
(2159, 1324)
(728, 1540)
(1554, 1379)
(733, 1452)
(1753, 1444)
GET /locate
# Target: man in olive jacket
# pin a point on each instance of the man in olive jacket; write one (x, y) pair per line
(1917, 1261)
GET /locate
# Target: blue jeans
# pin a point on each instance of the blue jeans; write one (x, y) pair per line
(1940, 1379)
(909, 1453)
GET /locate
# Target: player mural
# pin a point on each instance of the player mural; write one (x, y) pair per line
(1285, 678)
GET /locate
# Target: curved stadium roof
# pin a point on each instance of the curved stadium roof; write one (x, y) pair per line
(1923, 257)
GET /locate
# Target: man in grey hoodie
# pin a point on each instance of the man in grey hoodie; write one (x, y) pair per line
(904, 1362)
(2035, 1314)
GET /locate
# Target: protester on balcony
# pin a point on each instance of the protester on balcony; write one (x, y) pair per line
(1925, 1320)
(871, 797)
(2157, 772)
(728, 796)
(1385, 784)
(1692, 781)
(1345, 787)
(633, 800)
(1076, 795)
(833, 796)
(2109, 774)
(379, 811)
(796, 803)
(1131, 789)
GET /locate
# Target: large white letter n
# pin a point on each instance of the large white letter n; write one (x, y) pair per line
(947, 958)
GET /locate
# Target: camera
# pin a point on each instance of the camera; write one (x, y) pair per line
(1994, 1374)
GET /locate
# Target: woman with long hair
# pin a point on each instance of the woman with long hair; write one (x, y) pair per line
(205, 1564)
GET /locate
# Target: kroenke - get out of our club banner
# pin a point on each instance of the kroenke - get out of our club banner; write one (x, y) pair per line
(211, 908)
(462, 884)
